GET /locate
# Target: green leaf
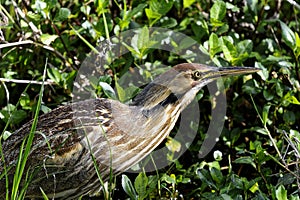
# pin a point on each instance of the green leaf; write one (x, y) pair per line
(268, 94)
(121, 92)
(245, 160)
(173, 145)
(143, 38)
(181, 179)
(264, 73)
(141, 43)
(6, 135)
(214, 164)
(161, 6)
(223, 28)
(288, 98)
(281, 193)
(47, 39)
(151, 14)
(216, 175)
(288, 35)
(167, 22)
(254, 187)
(265, 114)
(229, 49)
(214, 45)
(63, 14)
(294, 197)
(188, 3)
(86, 9)
(205, 177)
(251, 87)
(18, 116)
(40, 5)
(133, 49)
(54, 75)
(108, 90)
(279, 89)
(69, 80)
(226, 197)
(169, 179)
(297, 49)
(261, 130)
(131, 92)
(51, 4)
(24, 100)
(45, 109)
(140, 185)
(232, 7)
(217, 13)
(101, 5)
(200, 28)
(245, 46)
(128, 187)
(289, 117)
(136, 10)
(186, 42)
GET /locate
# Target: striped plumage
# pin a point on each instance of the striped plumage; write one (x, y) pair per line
(117, 135)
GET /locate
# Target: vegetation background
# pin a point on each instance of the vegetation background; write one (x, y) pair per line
(257, 156)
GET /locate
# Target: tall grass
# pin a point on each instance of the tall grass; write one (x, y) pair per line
(17, 192)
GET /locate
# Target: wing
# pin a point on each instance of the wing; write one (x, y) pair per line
(58, 143)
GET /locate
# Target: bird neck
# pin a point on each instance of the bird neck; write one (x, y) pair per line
(155, 95)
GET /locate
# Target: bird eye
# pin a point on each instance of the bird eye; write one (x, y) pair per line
(197, 75)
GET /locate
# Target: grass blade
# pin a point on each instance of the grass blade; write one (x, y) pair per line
(24, 153)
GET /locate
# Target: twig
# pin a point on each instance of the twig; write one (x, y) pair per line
(11, 44)
(49, 48)
(296, 152)
(268, 132)
(294, 3)
(47, 82)
(31, 25)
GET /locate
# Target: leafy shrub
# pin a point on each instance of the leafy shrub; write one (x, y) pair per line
(260, 140)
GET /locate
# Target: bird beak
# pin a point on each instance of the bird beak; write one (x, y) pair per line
(216, 72)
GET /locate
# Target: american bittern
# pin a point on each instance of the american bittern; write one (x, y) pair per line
(116, 134)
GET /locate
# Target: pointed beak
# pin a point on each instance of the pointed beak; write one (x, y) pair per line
(216, 72)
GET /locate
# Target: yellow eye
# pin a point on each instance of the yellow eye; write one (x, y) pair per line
(197, 74)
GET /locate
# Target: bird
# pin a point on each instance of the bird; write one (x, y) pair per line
(72, 141)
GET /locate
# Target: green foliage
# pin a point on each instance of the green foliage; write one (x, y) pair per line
(259, 144)
(217, 13)
(142, 187)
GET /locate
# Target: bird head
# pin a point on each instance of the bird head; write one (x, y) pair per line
(182, 82)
